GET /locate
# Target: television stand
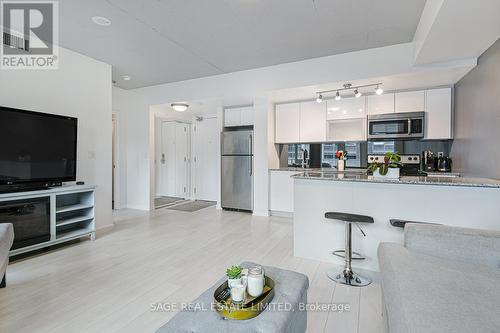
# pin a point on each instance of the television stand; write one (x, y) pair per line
(71, 215)
(14, 188)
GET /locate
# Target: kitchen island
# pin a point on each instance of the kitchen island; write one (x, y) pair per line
(456, 201)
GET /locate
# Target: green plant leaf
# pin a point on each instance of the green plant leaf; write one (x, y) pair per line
(234, 272)
(383, 169)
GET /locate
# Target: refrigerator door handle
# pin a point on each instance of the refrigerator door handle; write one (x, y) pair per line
(250, 145)
(250, 167)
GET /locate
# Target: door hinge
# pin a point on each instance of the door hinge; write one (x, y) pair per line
(195, 159)
(185, 130)
(194, 128)
(184, 189)
(194, 190)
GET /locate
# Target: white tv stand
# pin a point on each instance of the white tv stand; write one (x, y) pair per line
(71, 213)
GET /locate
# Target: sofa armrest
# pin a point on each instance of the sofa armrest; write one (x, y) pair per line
(473, 246)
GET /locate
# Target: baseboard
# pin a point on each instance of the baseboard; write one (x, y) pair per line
(138, 207)
(101, 231)
(261, 213)
(281, 214)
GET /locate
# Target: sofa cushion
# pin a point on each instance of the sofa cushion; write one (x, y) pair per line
(291, 288)
(427, 294)
(6, 239)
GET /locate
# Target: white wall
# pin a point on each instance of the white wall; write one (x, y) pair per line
(120, 100)
(81, 88)
(249, 87)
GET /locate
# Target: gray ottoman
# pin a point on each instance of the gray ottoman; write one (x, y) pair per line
(290, 291)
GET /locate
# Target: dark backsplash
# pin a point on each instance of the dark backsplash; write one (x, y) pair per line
(323, 154)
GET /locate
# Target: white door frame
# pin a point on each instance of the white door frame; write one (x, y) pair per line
(116, 170)
(193, 154)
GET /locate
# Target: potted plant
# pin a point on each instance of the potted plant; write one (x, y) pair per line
(341, 155)
(388, 169)
(233, 275)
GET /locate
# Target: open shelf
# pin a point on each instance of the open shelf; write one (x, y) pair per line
(73, 220)
(74, 233)
(70, 208)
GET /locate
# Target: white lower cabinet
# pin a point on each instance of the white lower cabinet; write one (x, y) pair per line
(281, 191)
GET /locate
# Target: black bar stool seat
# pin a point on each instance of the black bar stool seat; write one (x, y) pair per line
(347, 276)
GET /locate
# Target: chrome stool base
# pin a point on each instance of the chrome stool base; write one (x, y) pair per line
(349, 278)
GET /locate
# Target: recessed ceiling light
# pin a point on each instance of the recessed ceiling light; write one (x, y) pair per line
(101, 20)
(126, 78)
(179, 107)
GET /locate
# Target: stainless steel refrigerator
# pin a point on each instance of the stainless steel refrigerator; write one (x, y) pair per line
(237, 170)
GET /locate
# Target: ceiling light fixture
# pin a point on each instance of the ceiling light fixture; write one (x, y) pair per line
(179, 107)
(348, 86)
(126, 77)
(101, 20)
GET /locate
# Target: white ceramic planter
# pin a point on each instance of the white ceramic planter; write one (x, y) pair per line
(230, 282)
(392, 173)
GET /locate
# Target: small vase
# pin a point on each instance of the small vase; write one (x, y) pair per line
(392, 173)
(340, 165)
(230, 282)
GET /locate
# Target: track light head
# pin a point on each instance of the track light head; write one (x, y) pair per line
(319, 99)
(357, 94)
(379, 91)
(337, 96)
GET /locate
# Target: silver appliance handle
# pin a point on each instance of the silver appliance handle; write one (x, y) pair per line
(409, 126)
(250, 152)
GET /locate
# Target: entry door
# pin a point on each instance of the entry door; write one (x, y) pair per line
(167, 160)
(206, 145)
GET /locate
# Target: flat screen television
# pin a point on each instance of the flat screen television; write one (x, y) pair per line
(37, 150)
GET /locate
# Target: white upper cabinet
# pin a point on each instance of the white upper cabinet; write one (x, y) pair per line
(379, 104)
(410, 101)
(238, 116)
(347, 130)
(287, 123)
(247, 116)
(346, 108)
(438, 117)
(312, 122)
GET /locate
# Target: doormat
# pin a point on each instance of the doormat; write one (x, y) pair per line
(165, 201)
(193, 206)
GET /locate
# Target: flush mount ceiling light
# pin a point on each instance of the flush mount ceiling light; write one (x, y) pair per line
(126, 78)
(179, 107)
(348, 86)
(101, 20)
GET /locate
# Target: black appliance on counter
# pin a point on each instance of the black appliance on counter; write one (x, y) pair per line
(410, 167)
(30, 218)
(444, 164)
(429, 161)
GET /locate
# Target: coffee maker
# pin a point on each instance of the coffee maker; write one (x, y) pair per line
(429, 161)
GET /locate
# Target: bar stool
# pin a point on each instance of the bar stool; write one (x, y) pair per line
(347, 276)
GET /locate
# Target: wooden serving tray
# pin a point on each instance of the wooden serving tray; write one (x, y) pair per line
(251, 306)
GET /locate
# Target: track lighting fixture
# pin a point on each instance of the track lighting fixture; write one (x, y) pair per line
(348, 86)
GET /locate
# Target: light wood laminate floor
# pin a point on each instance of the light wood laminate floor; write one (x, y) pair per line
(108, 285)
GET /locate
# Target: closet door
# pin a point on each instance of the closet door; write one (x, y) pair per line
(166, 177)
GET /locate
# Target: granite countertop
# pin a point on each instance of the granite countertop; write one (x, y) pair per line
(332, 170)
(412, 180)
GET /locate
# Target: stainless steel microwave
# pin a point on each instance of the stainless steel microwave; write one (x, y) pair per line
(396, 125)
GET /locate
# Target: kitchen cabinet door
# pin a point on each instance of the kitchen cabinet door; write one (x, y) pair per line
(347, 130)
(287, 123)
(232, 117)
(281, 191)
(312, 122)
(346, 108)
(247, 116)
(438, 117)
(410, 101)
(379, 104)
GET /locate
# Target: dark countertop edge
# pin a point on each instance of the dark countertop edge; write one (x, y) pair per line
(405, 182)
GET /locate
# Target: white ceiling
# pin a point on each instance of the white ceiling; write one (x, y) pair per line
(161, 41)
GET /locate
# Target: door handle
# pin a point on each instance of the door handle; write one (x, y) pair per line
(409, 126)
(250, 168)
(250, 144)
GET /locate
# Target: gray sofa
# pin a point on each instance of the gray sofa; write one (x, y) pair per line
(6, 239)
(444, 279)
